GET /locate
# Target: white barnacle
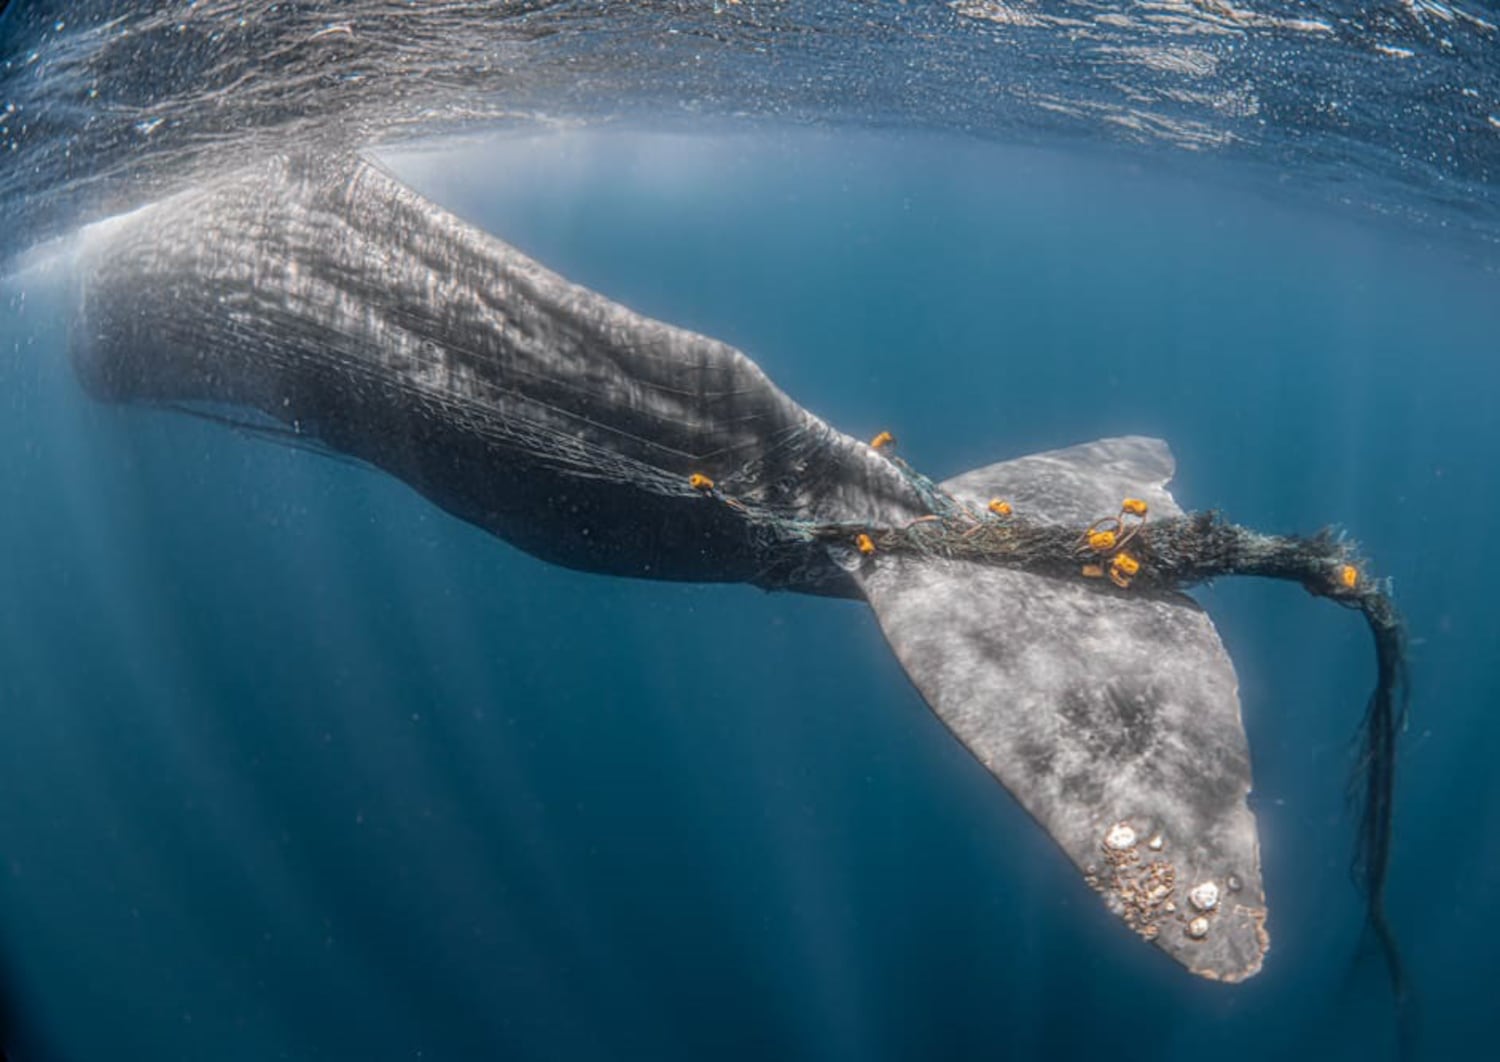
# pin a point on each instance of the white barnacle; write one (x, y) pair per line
(1204, 896)
(1121, 836)
(1156, 842)
(1198, 928)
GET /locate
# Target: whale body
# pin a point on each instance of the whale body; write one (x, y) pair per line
(325, 300)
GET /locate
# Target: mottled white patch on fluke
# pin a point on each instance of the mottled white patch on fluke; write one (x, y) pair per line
(1112, 716)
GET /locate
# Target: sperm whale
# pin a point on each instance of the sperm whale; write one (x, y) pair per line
(1037, 604)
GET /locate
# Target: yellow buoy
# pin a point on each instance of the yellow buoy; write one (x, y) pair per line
(1134, 506)
(1126, 563)
(698, 481)
(1000, 507)
(1101, 540)
(1349, 576)
(885, 438)
(865, 543)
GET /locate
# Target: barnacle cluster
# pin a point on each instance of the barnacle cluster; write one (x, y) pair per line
(1141, 886)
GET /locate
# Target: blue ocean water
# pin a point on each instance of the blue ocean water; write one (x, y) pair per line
(292, 765)
(297, 767)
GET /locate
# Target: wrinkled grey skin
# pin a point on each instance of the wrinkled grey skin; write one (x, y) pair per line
(326, 297)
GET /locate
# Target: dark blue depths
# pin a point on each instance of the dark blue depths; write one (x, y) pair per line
(297, 767)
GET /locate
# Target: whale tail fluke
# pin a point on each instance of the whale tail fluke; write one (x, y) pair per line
(1112, 717)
